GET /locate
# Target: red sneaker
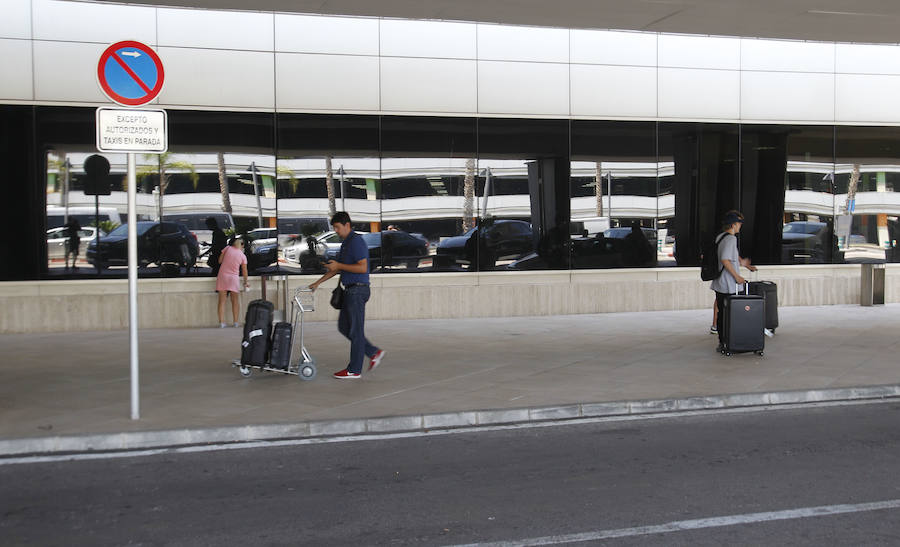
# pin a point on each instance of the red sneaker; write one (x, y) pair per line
(376, 360)
(346, 375)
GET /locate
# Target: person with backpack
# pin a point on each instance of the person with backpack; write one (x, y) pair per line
(729, 265)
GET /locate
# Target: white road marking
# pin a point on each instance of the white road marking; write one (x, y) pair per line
(239, 445)
(698, 524)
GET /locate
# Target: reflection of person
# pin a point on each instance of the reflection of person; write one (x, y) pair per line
(219, 242)
(232, 261)
(353, 266)
(73, 241)
(637, 249)
(392, 228)
(727, 282)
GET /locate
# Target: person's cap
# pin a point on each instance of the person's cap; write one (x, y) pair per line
(731, 218)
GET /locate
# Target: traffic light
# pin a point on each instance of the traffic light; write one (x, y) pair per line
(96, 182)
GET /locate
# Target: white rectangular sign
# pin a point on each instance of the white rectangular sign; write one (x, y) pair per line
(129, 130)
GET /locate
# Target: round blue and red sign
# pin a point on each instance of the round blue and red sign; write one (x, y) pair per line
(130, 73)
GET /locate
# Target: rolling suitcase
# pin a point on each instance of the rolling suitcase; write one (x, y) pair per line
(257, 331)
(769, 291)
(280, 352)
(744, 321)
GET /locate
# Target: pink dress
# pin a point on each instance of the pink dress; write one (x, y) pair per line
(229, 272)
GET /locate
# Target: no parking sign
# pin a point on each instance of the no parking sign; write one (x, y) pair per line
(130, 73)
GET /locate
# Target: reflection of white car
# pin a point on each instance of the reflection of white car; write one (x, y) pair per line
(262, 236)
(57, 238)
(298, 247)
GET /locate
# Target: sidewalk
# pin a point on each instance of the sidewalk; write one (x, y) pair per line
(78, 383)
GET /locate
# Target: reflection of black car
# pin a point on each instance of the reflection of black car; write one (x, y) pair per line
(587, 253)
(392, 247)
(157, 243)
(804, 242)
(261, 248)
(502, 239)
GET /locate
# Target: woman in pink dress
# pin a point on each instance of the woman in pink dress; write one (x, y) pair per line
(232, 262)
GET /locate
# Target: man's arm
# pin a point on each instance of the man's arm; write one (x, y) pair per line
(360, 267)
(734, 273)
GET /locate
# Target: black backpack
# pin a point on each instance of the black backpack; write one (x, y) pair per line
(710, 265)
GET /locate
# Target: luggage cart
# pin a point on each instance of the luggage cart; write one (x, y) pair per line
(303, 302)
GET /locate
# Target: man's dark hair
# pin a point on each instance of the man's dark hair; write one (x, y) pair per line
(341, 217)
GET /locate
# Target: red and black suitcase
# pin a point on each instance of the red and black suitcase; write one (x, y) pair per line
(744, 322)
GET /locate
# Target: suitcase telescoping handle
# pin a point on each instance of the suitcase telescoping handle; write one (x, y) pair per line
(737, 290)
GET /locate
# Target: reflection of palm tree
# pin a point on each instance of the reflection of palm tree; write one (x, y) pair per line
(223, 183)
(164, 163)
(329, 186)
(469, 193)
(598, 189)
(284, 171)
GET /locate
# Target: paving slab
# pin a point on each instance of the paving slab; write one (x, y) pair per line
(490, 370)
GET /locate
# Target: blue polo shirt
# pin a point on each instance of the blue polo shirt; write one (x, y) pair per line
(353, 249)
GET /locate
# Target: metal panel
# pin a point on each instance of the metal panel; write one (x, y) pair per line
(314, 34)
(699, 94)
(613, 91)
(508, 43)
(429, 85)
(699, 52)
(786, 55)
(523, 88)
(327, 82)
(66, 71)
(428, 39)
(239, 30)
(605, 47)
(93, 22)
(15, 21)
(787, 96)
(220, 78)
(15, 70)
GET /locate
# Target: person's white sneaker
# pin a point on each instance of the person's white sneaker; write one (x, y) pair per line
(376, 360)
(768, 333)
(236, 325)
(222, 325)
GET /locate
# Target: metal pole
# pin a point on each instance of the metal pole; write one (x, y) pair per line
(97, 231)
(487, 191)
(343, 188)
(67, 167)
(256, 193)
(132, 285)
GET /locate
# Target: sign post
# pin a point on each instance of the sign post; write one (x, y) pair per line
(131, 74)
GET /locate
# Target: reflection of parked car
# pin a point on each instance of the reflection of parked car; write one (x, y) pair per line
(157, 243)
(196, 223)
(587, 252)
(856, 239)
(502, 240)
(392, 247)
(261, 248)
(57, 238)
(622, 233)
(805, 241)
(291, 228)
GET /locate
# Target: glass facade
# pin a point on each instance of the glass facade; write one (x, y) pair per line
(449, 193)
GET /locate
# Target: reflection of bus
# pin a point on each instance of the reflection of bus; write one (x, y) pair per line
(86, 216)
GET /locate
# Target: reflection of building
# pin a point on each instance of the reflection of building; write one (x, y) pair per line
(563, 125)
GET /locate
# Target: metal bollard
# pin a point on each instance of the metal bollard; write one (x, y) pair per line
(871, 285)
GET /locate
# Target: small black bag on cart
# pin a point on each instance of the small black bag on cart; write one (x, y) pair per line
(257, 332)
(280, 352)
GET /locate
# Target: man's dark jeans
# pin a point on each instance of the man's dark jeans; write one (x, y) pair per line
(351, 323)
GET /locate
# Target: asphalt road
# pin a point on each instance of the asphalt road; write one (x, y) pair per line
(490, 486)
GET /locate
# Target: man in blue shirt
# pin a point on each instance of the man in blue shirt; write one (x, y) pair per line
(353, 266)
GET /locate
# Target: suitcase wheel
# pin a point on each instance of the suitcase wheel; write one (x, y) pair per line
(245, 371)
(760, 353)
(307, 371)
(727, 353)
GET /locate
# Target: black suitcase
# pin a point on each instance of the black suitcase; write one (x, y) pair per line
(280, 352)
(769, 291)
(745, 319)
(257, 331)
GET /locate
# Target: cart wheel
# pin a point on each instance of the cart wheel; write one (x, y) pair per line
(307, 371)
(245, 371)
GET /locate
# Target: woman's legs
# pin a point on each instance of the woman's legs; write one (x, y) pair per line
(235, 305)
(222, 296)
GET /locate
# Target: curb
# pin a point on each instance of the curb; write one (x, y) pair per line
(426, 422)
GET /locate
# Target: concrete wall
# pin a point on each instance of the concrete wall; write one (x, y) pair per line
(58, 306)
